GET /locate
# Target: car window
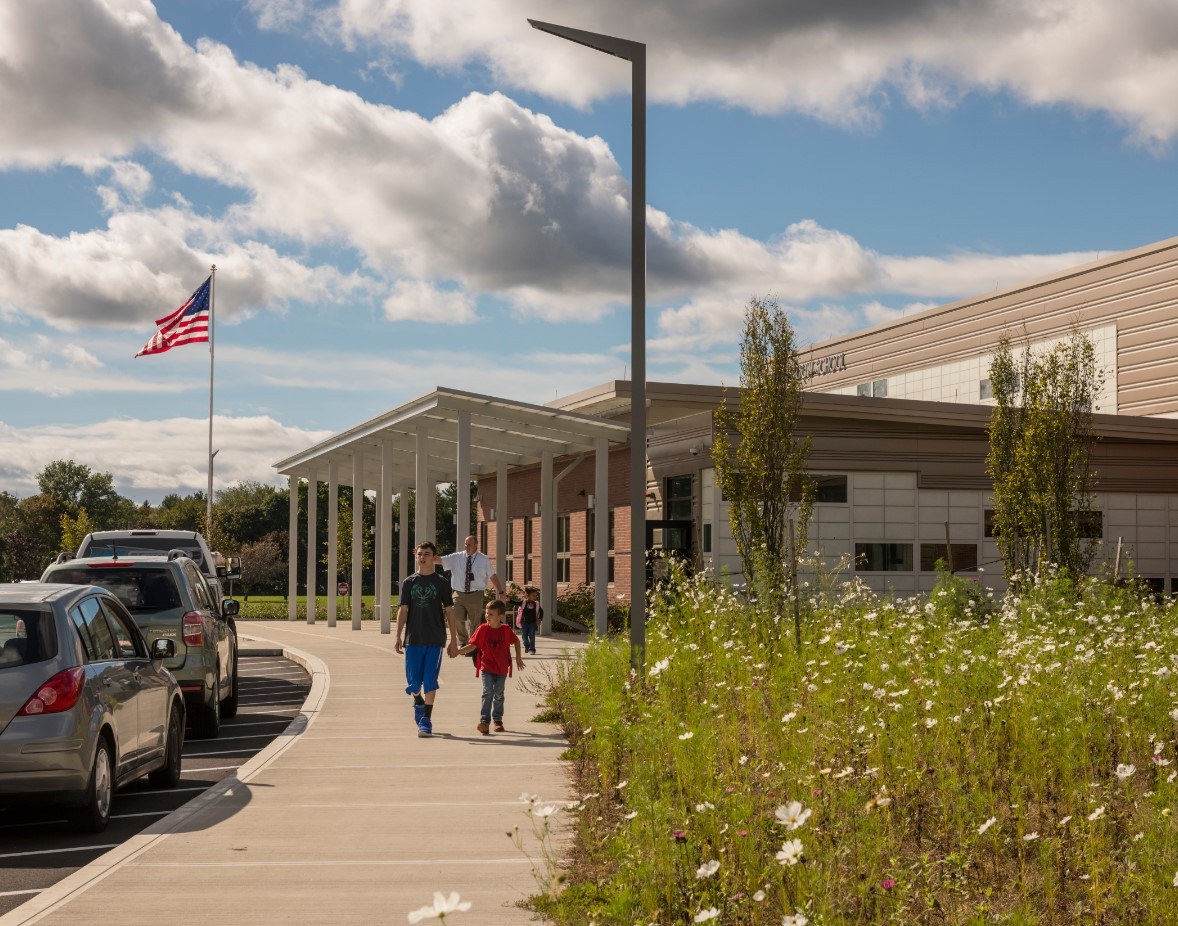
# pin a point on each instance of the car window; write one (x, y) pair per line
(92, 628)
(139, 588)
(26, 636)
(129, 643)
(197, 582)
(137, 546)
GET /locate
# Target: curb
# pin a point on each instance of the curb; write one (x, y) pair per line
(68, 889)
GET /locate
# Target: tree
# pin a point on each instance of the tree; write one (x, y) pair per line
(763, 474)
(77, 486)
(246, 512)
(75, 529)
(181, 513)
(264, 566)
(1040, 454)
(344, 543)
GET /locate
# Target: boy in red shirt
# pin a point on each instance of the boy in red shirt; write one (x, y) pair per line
(493, 641)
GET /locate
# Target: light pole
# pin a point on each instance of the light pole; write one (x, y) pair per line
(635, 53)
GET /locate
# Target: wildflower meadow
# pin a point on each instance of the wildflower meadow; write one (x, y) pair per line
(948, 759)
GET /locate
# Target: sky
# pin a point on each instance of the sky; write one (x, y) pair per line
(406, 194)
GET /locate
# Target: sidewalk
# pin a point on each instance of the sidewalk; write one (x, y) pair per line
(349, 818)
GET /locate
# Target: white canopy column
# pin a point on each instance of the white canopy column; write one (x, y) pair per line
(502, 522)
(332, 538)
(312, 540)
(462, 489)
(384, 507)
(403, 561)
(357, 535)
(547, 542)
(601, 538)
(292, 552)
(423, 528)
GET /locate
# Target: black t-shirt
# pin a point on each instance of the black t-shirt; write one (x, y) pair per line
(533, 613)
(428, 597)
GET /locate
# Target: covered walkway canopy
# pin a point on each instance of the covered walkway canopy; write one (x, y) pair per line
(444, 436)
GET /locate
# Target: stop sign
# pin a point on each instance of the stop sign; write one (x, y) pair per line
(342, 588)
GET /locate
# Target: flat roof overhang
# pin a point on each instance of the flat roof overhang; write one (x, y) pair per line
(502, 431)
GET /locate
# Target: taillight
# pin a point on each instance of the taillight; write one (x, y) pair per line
(58, 694)
(194, 629)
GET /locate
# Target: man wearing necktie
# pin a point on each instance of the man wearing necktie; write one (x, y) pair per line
(471, 571)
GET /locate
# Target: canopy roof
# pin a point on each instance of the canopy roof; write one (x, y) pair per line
(501, 431)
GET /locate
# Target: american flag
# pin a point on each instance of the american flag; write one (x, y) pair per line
(189, 324)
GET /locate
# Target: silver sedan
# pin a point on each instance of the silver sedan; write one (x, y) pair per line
(84, 706)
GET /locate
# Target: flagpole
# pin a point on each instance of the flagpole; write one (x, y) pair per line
(212, 321)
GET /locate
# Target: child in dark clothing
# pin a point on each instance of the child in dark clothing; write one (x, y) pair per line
(493, 641)
(530, 616)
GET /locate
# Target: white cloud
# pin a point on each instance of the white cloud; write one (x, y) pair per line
(839, 62)
(421, 301)
(150, 458)
(144, 264)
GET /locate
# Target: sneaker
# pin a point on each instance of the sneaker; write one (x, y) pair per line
(499, 726)
(425, 728)
(418, 714)
(483, 727)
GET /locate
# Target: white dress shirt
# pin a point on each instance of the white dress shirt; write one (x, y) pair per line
(481, 566)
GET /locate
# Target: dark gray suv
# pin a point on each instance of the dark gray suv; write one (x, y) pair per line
(85, 705)
(170, 600)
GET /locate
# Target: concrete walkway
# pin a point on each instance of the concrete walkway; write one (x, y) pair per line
(348, 818)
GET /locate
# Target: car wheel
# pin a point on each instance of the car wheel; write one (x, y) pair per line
(229, 706)
(168, 776)
(94, 813)
(208, 725)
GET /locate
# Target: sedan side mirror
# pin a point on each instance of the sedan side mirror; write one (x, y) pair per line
(162, 648)
(230, 607)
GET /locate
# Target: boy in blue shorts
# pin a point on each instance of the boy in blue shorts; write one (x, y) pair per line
(423, 615)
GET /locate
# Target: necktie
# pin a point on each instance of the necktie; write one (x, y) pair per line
(469, 573)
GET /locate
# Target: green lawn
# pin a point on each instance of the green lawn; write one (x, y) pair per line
(274, 607)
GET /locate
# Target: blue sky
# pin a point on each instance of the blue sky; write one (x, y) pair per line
(401, 194)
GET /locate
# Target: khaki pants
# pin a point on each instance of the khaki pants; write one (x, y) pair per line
(468, 614)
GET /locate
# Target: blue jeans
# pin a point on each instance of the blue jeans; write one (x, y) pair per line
(493, 686)
(529, 635)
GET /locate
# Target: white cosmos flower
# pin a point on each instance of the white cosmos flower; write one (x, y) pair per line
(792, 815)
(759, 896)
(632, 814)
(795, 919)
(1096, 814)
(985, 826)
(686, 736)
(1030, 837)
(1176, 879)
(704, 915)
(1125, 771)
(1064, 821)
(442, 905)
(790, 852)
(546, 811)
(707, 869)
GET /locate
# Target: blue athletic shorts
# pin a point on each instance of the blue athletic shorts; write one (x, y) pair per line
(422, 664)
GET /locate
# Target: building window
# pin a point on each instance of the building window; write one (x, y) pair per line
(611, 532)
(879, 389)
(677, 499)
(965, 556)
(527, 550)
(1157, 586)
(563, 545)
(863, 389)
(707, 539)
(883, 557)
(988, 522)
(611, 570)
(1090, 525)
(510, 551)
(831, 490)
(562, 569)
(985, 389)
(511, 570)
(483, 536)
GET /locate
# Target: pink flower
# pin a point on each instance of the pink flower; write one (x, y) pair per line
(742, 832)
(680, 836)
(815, 792)
(887, 883)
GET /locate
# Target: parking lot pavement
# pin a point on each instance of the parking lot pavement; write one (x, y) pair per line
(37, 847)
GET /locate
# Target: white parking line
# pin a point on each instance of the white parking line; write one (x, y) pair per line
(277, 710)
(216, 768)
(251, 736)
(125, 794)
(146, 813)
(110, 845)
(229, 724)
(223, 752)
(19, 893)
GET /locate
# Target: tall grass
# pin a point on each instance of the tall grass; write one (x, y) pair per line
(960, 761)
